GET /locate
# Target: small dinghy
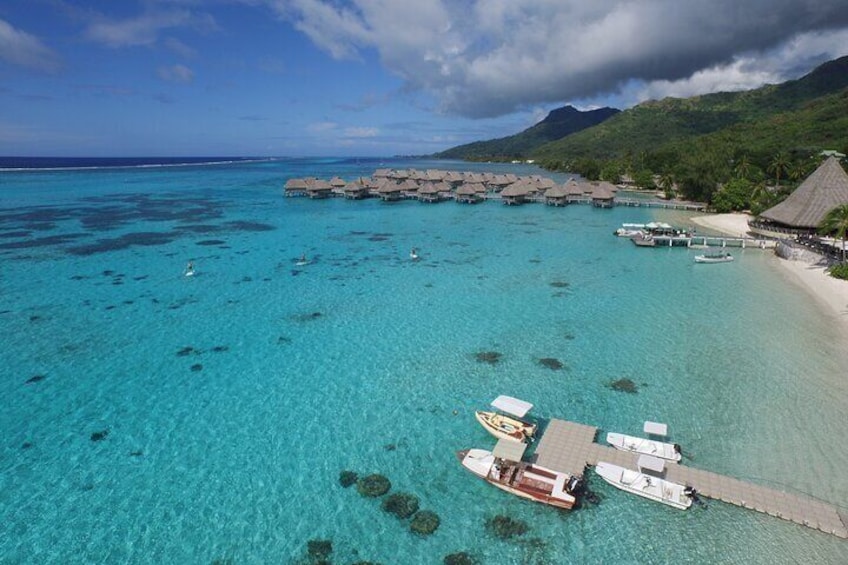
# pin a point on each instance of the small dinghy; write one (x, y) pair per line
(506, 422)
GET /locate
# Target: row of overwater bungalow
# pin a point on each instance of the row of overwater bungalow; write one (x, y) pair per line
(464, 187)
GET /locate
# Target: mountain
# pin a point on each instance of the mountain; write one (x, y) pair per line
(658, 126)
(558, 124)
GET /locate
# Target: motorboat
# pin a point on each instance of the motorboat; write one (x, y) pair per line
(644, 446)
(504, 469)
(722, 257)
(505, 422)
(630, 230)
(646, 485)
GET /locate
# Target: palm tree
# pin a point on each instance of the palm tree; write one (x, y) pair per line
(836, 222)
(797, 170)
(778, 165)
(743, 167)
(667, 184)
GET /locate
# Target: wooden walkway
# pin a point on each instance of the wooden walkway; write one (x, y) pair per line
(569, 447)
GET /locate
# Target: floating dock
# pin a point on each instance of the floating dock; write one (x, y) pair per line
(569, 447)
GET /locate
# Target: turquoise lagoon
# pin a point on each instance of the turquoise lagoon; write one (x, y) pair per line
(155, 418)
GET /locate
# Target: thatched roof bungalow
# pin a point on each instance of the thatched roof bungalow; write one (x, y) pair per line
(318, 188)
(603, 195)
(516, 193)
(803, 211)
(295, 187)
(557, 195)
(389, 191)
(573, 191)
(470, 193)
(355, 190)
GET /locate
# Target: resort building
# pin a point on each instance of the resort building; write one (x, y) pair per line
(803, 211)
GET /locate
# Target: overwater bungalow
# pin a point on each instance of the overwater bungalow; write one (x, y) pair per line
(803, 211)
(557, 195)
(390, 191)
(470, 193)
(573, 191)
(516, 193)
(429, 192)
(602, 195)
(355, 190)
(317, 188)
(295, 187)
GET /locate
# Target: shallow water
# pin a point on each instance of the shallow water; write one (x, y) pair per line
(231, 400)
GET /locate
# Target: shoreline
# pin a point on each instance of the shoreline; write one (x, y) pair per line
(830, 293)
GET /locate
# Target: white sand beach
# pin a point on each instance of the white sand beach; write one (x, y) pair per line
(831, 293)
(735, 225)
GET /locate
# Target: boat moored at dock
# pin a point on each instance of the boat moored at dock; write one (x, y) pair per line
(506, 422)
(643, 446)
(504, 469)
(645, 485)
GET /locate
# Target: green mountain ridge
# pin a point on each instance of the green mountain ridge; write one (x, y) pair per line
(556, 125)
(660, 126)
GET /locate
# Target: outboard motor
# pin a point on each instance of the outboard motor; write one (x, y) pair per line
(677, 448)
(693, 494)
(575, 485)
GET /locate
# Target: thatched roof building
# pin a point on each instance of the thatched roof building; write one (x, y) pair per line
(602, 195)
(806, 207)
(557, 195)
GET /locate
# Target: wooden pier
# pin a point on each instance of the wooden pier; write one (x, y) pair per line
(712, 241)
(569, 447)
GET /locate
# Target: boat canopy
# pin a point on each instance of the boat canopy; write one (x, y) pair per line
(655, 428)
(512, 405)
(651, 463)
(509, 450)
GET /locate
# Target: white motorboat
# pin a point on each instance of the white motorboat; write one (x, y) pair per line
(506, 422)
(504, 469)
(723, 257)
(630, 230)
(645, 485)
(643, 446)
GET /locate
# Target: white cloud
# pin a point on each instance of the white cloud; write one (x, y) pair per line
(747, 71)
(146, 28)
(361, 132)
(176, 73)
(25, 50)
(483, 58)
(321, 127)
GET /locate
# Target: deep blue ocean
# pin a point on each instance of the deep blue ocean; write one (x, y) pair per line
(152, 417)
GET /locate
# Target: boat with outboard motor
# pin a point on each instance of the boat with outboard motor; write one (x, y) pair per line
(504, 469)
(713, 257)
(506, 422)
(643, 446)
(645, 485)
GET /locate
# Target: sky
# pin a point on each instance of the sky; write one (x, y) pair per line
(371, 77)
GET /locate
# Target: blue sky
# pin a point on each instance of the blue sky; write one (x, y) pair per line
(370, 77)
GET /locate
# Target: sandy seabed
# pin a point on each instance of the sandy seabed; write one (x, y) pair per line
(829, 292)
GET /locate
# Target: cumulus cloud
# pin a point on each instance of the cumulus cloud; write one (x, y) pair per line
(25, 50)
(176, 73)
(484, 58)
(144, 29)
(360, 132)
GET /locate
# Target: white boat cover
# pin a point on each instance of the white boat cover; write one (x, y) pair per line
(509, 450)
(651, 463)
(656, 429)
(512, 405)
